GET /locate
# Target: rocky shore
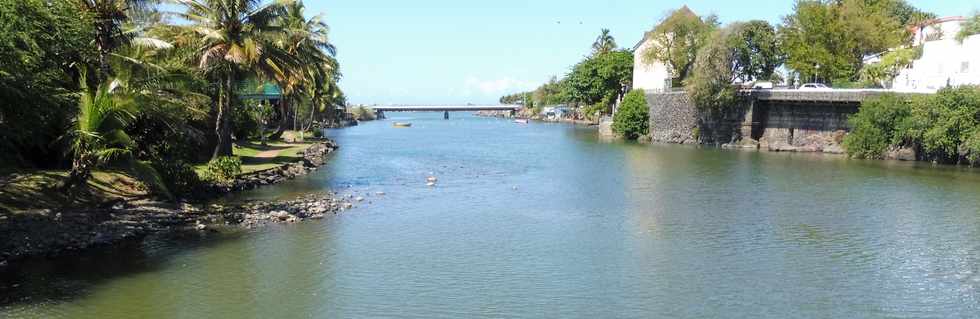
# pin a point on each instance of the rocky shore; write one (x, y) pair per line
(58, 232)
(50, 233)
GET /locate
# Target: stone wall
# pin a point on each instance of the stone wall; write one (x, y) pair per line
(673, 118)
(804, 127)
(771, 125)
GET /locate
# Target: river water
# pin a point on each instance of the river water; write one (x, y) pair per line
(545, 220)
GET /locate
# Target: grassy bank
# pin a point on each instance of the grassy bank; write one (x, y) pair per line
(29, 190)
(24, 190)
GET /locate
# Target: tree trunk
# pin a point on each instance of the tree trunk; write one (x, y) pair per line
(222, 127)
(78, 175)
(283, 119)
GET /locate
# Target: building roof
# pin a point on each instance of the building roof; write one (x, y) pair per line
(930, 22)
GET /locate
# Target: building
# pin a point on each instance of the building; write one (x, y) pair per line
(945, 61)
(650, 77)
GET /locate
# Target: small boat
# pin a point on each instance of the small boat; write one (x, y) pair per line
(402, 124)
(520, 121)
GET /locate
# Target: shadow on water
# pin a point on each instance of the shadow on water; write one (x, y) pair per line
(67, 277)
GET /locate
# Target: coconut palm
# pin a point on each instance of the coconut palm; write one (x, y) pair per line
(308, 41)
(109, 17)
(235, 39)
(604, 43)
(97, 137)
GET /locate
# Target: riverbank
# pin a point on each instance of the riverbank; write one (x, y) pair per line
(526, 114)
(75, 226)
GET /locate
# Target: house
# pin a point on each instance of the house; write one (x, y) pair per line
(653, 76)
(945, 61)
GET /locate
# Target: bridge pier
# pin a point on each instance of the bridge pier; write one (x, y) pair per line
(445, 115)
(380, 115)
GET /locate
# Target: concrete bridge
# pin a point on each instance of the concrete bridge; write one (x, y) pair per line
(380, 110)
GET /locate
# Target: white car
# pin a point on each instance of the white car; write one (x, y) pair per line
(814, 87)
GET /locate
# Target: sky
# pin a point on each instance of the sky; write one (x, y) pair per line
(455, 52)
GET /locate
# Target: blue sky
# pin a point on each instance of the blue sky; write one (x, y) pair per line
(445, 52)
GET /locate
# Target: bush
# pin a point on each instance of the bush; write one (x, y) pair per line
(223, 169)
(632, 120)
(874, 126)
(178, 177)
(943, 127)
(361, 113)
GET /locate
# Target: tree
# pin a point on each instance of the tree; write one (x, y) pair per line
(710, 84)
(757, 51)
(109, 16)
(41, 42)
(829, 39)
(969, 28)
(236, 38)
(632, 120)
(308, 41)
(882, 73)
(98, 138)
(600, 76)
(677, 40)
(605, 43)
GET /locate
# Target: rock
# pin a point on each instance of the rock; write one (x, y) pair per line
(431, 179)
(359, 198)
(900, 153)
(430, 184)
(279, 215)
(3, 263)
(292, 219)
(200, 226)
(379, 193)
(348, 205)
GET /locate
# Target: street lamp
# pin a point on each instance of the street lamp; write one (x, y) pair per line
(815, 73)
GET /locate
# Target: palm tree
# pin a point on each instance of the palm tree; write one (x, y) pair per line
(307, 41)
(235, 39)
(604, 43)
(109, 17)
(98, 138)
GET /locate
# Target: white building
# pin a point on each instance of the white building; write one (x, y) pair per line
(653, 76)
(945, 61)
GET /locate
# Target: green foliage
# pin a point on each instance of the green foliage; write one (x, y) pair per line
(361, 113)
(874, 127)
(677, 40)
(836, 35)
(969, 28)
(179, 177)
(710, 84)
(882, 74)
(604, 43)
(40, 41)
(943, 127)
(598, 77)
(223, 169)
(756, 51)
(632, 119)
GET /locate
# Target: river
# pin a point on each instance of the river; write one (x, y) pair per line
(545, 220)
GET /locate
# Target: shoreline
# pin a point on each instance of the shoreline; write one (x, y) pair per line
(49, 233)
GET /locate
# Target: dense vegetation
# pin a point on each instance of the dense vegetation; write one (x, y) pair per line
(632, 120)
(596, 83)
(827, 40)
(943, 128)
(123, 84)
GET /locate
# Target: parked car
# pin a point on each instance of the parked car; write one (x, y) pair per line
(763, 85)
(814, 87)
